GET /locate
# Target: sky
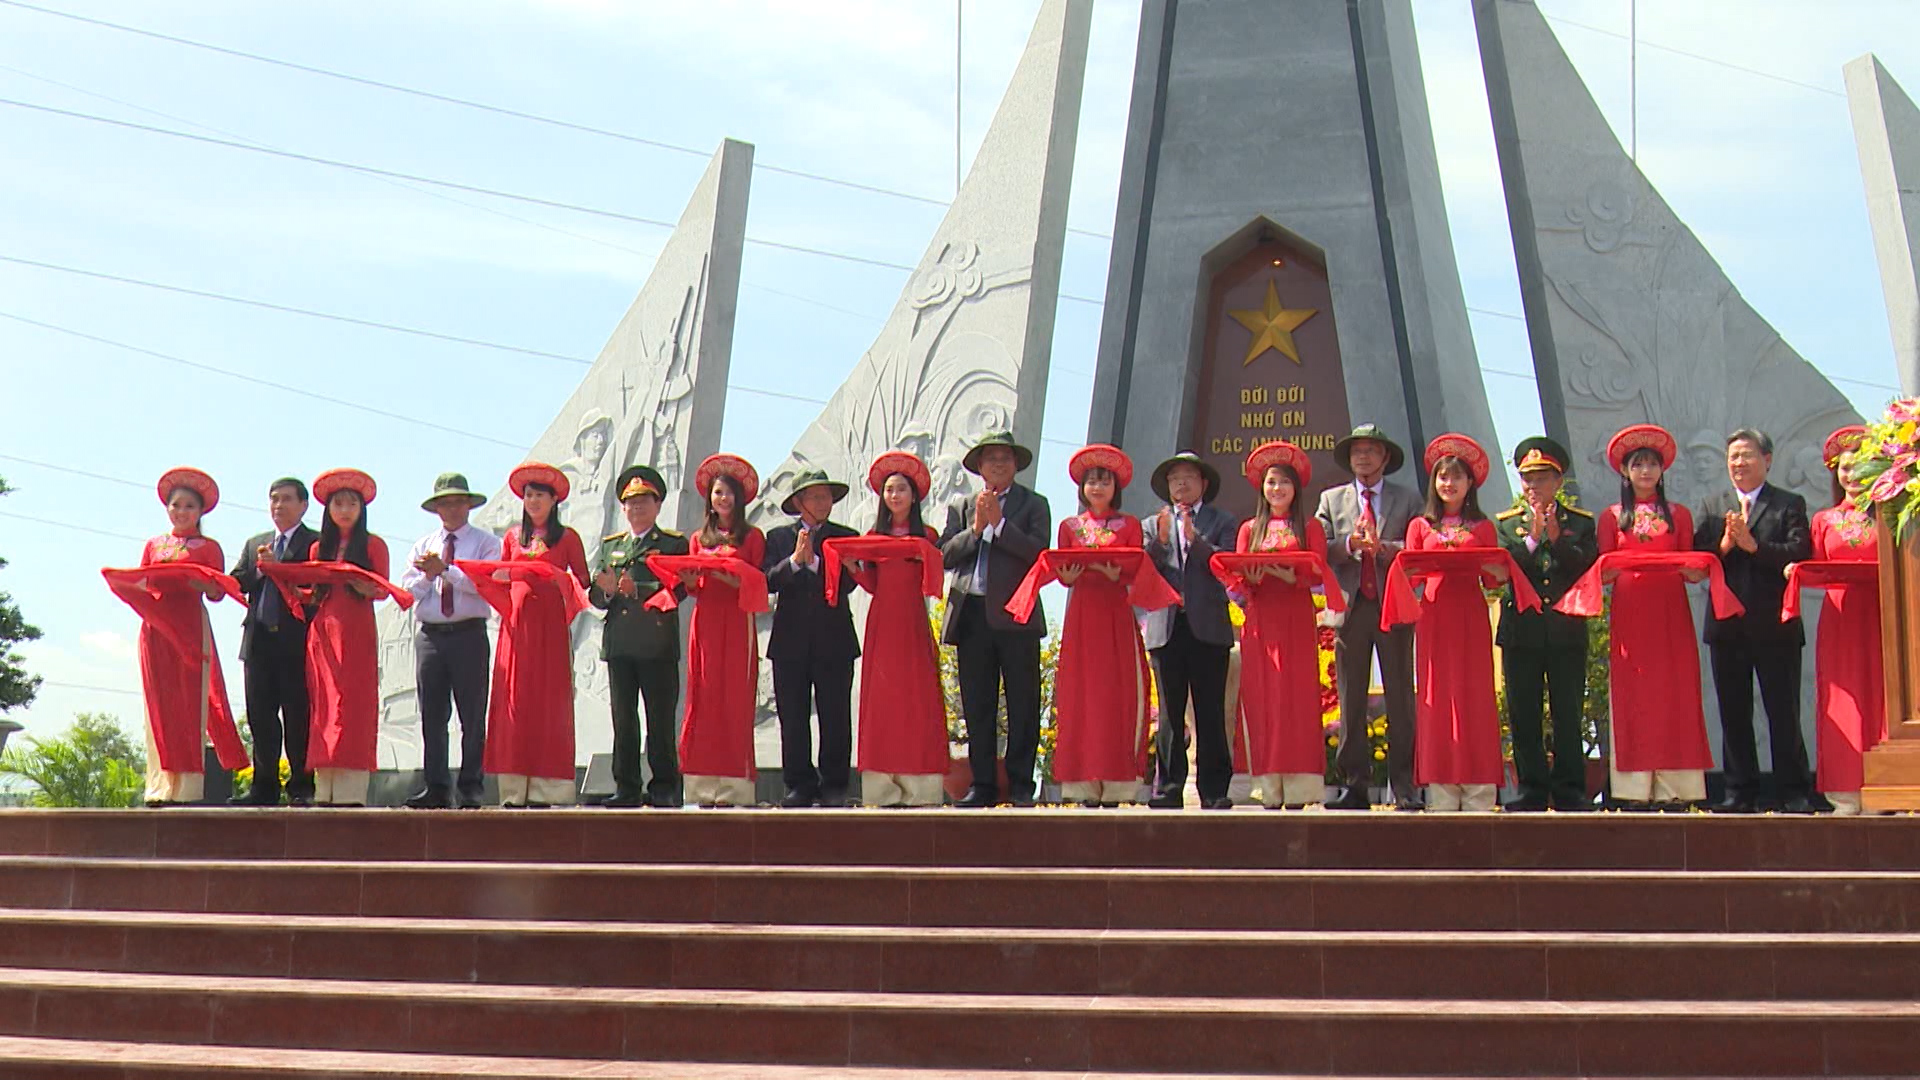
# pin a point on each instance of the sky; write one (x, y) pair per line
(1741, 123)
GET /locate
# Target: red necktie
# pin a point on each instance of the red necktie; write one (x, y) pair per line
(1369, 587)
(446, 586)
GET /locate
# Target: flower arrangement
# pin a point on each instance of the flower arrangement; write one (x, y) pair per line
(1888, 463)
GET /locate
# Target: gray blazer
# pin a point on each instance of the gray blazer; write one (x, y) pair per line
(1339, 515)
(1202, 596)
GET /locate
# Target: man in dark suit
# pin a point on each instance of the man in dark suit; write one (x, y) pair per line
(641, 646)
(812, 646)
(1366, 526)
(1545, 651)
(1191, 644)
(273, 645)
(988, 546)
(1757, 529)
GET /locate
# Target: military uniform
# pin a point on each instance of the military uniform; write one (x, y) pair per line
(1545, 650)
(641, 648)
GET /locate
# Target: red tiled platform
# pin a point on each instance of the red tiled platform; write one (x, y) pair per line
(1070, 838)
(572, 943)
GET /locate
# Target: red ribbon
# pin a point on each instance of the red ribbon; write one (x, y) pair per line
(289, 576)
(1825, 574)
(667, 568)
(141, 589)
(1146, 589)
(1402, 605)
(1309, 567)
(1585, 596)
(880, 549)
(499, 594)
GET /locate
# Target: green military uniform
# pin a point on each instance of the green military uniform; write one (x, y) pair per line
(1545, 651)
(641, 648)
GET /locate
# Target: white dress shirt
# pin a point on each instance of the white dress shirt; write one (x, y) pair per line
(469, 542)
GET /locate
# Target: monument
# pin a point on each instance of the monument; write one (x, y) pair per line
(1282, 266)
(655, 395)
(966, 348)
(1630, 318)
(1886, 129)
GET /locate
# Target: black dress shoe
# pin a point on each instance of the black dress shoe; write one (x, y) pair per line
(977, 797)
(1732, 805)
(623, 802)
(832, 800)
(432, 798)
(302, 800)
(1799, 804)
(1409, 806)
(1351, 799)
(1168, 802)
(1024, 800)
(1564, 805)
(1526, 804)
(800, 798)
(1221, 803)
(254, 798)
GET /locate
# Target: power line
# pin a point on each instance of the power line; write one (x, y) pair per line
(270, 384)
(69, 525)
(96, 689)
(454, 185)
(290, 309)
(1715, 61)
(499, 110)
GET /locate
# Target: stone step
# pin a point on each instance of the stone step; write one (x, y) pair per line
(1726, 902)
(958, 1031)
(1155, 963)
(1059, 837)
(67, 1059)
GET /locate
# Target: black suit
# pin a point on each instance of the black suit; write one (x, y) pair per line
(1757, 644)
(1191, 646)
(992, 649)
(273, 645)
(812, 647)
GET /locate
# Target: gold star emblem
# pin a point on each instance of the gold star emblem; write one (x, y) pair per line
(1273, 326)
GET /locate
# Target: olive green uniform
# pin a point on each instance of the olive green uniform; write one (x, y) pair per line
(1547, 651)
(641, 648)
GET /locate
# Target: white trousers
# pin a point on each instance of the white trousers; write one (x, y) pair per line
(1461, 798)
(902, 789)
(521, 790)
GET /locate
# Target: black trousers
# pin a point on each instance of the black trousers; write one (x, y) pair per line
(1562, 675)
(1736, 664)
(802, 686)
(277, 711)
(656, 680)
(1188, 669)
(1358, 638)
(989, 660)
(451, 667)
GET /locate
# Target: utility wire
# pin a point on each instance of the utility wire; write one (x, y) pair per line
(69, 525)
(1715, 61)
(499, 110)
(85, 686)
(290, 309)
(453, 185)
(270, 384)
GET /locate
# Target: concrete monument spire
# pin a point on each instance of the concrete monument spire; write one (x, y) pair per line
(656, 395)
(1280, 179)
(1630, 318)
(1886, 128)
(966, 348)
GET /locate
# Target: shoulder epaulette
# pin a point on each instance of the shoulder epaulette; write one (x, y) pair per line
(664, 531)
(612, 537)
(1581, 512)
(1505, 514)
